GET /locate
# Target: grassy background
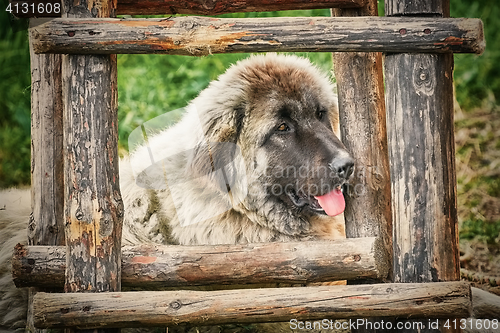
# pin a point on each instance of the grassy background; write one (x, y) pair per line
(150, 85)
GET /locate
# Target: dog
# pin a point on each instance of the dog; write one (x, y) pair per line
(255, 158)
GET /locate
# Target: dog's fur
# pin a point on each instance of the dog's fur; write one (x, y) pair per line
(242, 166)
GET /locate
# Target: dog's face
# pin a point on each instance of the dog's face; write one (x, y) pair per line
(283, 122)
(301, 157)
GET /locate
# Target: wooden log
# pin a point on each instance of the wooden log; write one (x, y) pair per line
(360, 86)
(216, 7)
(420, 109)
(150, 266)
(417, 7)
(162, 308)
(93, 210)
(202, 36)
(47, 185)
(419, 99)
(485, 305)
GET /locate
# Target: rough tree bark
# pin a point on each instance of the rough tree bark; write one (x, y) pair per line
(162, 308)
(47, 185)
(150, 266)
(419, 102)
(205, 35)
(216, 7)
(93, 210)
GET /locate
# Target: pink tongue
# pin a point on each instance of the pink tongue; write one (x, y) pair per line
(333, 203)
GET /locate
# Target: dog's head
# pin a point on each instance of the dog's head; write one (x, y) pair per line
(277, 117)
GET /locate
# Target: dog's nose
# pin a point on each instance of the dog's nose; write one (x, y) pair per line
(343, 165)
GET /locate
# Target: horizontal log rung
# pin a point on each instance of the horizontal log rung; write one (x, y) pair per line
(163, 308)
(199, 36)
(153, 266)
(216, 7)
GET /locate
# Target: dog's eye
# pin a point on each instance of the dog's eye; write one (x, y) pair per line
(321, 114)
(283, 128)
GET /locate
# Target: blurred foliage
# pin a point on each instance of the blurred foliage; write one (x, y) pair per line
(14, 104)
(150, 85)
(477, 78)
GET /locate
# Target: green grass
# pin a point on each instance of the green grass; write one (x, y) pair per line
(477, 78)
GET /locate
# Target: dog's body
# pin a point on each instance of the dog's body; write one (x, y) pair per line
(256, 158)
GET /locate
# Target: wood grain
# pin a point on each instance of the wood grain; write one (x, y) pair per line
(162, 308)
(158, 266)
(423, 167)
(360, 85)
(93, 209)
(202, 36)
(419, 99)
(216, 7)
(47, 185)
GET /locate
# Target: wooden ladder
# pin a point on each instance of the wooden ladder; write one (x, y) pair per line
(407, 240)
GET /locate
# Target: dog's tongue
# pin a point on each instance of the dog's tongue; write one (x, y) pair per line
(333, 203)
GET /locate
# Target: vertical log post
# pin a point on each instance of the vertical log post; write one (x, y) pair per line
(360, 87)
(93, 210)
(47, 186)
(419, 98)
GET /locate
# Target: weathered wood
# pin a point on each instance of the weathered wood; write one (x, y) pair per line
(420, 109)
(93, 210)
(436, 8)
(419, 99)
(360, 86)
(150, 266)
(161, 308)
(47, 186)
(202, 36)
(485, 305)
(216, 7)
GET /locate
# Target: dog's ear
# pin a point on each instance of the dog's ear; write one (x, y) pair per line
(214, 156)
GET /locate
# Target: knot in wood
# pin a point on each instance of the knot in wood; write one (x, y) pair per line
(176, 305)
(79, 215)
(402, 31)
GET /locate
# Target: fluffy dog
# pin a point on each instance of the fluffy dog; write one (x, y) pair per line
(256, 158)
